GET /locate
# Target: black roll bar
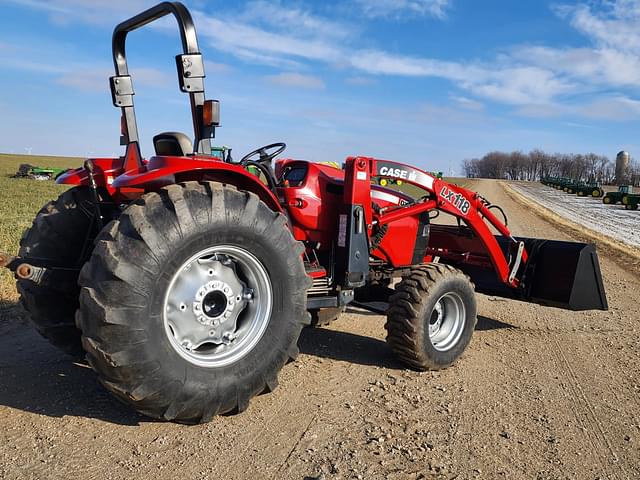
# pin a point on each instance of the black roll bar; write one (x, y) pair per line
(190, 72)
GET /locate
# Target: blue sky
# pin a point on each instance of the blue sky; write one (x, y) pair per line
(428, 82)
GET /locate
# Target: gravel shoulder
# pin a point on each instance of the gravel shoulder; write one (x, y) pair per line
(540, 393)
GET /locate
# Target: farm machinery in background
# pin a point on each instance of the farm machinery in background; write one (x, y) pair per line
(572, 186)
(616, 197)
(38, 173)
(559, 183)
(590, 189)
(631, 201)
(186, 279)
(624, 195)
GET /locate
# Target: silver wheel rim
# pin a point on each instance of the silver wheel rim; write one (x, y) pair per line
(217, 306)
(446, 321)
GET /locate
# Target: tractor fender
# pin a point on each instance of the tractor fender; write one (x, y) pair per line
(161, 171)
(105, 171)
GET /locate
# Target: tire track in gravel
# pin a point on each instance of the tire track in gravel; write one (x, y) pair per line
(584, 411)
(273, 427)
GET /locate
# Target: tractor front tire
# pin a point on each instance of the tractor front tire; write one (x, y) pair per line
(192, 302)
(431, 316)
(57, 237)
(606, 200)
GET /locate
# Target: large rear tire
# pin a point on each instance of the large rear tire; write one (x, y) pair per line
(192, 302)
(431, 316)
(57, 237)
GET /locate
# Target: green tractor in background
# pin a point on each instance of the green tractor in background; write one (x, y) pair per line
(592, 189)
(573, 186)
(223, 153)
(38, 173)
(562, 183)
(631, 201)
(613, 198)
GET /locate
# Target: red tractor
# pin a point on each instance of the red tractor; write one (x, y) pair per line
(186, 279)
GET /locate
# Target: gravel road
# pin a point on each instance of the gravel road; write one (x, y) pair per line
(541, 393)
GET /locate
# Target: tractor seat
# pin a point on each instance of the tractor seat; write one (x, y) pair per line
(173, 144)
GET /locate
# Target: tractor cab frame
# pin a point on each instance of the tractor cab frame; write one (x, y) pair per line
(205, 113)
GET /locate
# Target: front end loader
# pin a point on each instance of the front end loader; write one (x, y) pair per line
(186, 278)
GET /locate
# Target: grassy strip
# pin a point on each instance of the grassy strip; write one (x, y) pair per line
(20, 200)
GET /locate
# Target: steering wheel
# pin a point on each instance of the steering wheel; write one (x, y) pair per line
(263, 155)
(263, 158)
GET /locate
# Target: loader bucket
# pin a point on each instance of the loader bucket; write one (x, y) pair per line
(558, 274)
(563, 274)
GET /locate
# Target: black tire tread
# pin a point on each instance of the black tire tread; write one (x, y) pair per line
(57, 234)
(405, 327)
(112, 292)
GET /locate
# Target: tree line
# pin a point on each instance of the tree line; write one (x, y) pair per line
(537, 164)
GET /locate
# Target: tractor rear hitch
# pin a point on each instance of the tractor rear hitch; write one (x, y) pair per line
(25, 271)
(36, 274)
(22, 269)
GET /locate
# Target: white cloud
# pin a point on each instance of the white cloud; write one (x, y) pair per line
(296, 80)
(404, 8)
(536, 79)
(507, 82)
(294, 20)
(467, 103)
(607, 108)
(233, 36)
(94, 11)
(613, 25)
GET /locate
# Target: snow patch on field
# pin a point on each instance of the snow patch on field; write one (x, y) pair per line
(610, 220)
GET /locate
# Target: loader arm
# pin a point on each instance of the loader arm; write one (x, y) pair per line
(463, 204)
(554, 273)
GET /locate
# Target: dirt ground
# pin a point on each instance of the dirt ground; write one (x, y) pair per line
(540, 393)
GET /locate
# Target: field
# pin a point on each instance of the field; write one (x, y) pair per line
(540, 393)
(20, 200)
(612, 221)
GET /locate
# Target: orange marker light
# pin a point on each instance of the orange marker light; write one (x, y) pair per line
(211, 113)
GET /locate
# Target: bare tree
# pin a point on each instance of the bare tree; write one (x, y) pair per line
(537, 164)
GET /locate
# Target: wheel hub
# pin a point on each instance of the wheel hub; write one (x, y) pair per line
(218, 303)
(436, 318)
(446, 322)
